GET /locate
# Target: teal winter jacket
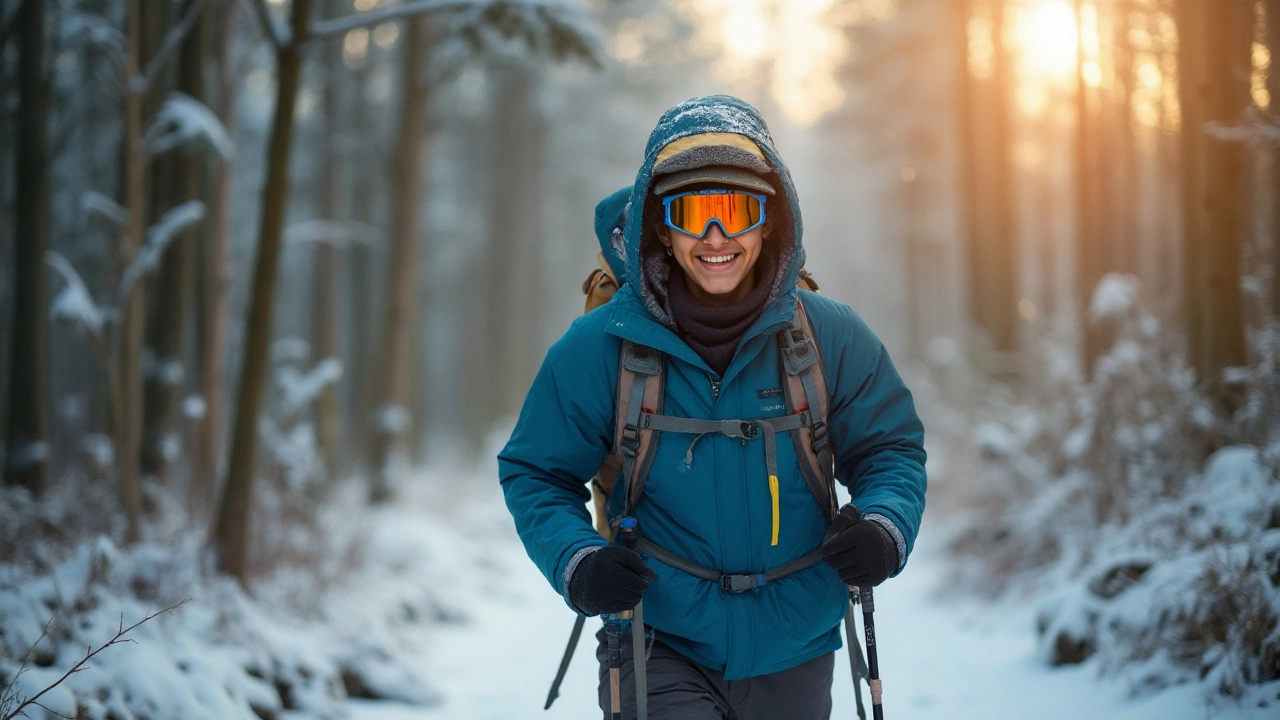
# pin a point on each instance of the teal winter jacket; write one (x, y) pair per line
(717, 510)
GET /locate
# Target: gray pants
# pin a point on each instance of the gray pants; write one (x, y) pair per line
(681, 689)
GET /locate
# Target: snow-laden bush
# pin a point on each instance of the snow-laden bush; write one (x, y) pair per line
(1151, 512)
(226, 654)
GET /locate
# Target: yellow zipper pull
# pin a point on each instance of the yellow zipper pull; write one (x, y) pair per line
(773, 490)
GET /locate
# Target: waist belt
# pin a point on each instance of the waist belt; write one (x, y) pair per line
(729, 582)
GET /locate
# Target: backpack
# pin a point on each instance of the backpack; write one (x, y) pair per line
(639, 419)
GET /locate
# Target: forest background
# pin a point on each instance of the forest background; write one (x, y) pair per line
(264, 260)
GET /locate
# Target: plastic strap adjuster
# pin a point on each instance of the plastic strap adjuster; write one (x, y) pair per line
(742, 583)
(820, 437)
(630, 441)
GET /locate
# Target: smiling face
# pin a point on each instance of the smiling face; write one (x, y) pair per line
(719, 271)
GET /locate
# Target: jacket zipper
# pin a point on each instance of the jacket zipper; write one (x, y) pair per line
(715, 387)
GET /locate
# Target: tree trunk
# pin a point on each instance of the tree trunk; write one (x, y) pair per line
(230, 537)
(27, 427)
(326, 320)
(1273, 89)
(363, 280)
(1089, 245)
(916, 252)
(992, 263)
(1214, 62)
(516, 238)
(1046, 202)
(216, 282)
(127, 365)
(1091, 237)
(1002, 276)
(173, 285)
(968, 162)
(392, 418)
(1124, 198)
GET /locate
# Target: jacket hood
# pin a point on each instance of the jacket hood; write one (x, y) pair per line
(646, 266)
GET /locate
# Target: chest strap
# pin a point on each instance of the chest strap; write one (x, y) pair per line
(729, 582)
(745, 429)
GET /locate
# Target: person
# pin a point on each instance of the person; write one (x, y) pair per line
(710, 259)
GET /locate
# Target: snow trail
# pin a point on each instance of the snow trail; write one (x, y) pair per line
(940, 656)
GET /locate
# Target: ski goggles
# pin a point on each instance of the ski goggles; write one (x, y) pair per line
(734, 211)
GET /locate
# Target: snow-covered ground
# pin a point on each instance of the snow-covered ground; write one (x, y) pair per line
(441, 609)
(941, 655)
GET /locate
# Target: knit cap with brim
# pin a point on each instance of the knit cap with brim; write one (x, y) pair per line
(726, 159)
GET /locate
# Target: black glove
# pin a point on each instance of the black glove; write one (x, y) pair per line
(862, 551)
(609, 580)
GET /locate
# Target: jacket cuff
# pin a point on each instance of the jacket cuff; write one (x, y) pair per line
(574, 561)
(889, 527)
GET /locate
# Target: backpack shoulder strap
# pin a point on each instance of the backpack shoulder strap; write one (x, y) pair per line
(806, 390)
(641, 382)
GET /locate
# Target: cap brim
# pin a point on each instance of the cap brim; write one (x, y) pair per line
(718, 175)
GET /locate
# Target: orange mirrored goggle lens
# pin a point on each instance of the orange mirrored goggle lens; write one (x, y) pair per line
(735, 212)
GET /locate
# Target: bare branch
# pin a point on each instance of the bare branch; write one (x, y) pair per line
(51, 711)
(172, 41)
(341, 26)
(9, 693)
(89, 654)
(277, 32)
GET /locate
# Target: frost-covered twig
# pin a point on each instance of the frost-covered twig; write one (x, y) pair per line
(75, 302)
(183, 119)
(159, 237)
(301, 389)
(172, 41)
(105, 207)
(1254, 128)
(338, 233)
(343, 25)
(89, 654)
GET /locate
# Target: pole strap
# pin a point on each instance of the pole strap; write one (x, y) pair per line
(564, 661)
(857, 665)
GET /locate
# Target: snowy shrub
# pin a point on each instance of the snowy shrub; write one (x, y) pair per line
(1151, 512)
(224, 654)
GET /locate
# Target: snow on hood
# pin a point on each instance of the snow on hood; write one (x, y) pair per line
(646, 264)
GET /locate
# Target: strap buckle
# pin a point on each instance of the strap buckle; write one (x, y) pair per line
(742, 583)
(748, 429)
(820, 438)
(630, 440)
(798, 350)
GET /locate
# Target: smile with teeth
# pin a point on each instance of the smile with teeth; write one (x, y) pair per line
(717, 259)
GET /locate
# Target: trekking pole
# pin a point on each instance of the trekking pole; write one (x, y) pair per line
(857, 666)
(630, 535)
(564, 661)
(613, 635)
(873, 661)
